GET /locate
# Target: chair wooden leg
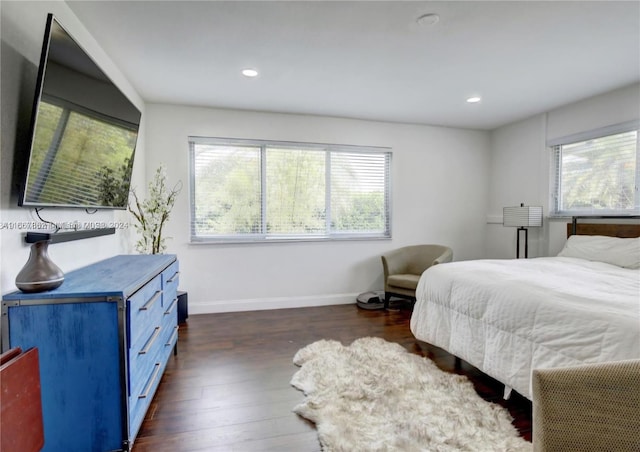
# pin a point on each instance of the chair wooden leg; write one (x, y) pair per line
(387, 297)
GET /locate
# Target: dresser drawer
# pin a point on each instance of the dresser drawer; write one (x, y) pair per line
(169, 340)
(140, 400)
(170, 281)
(145, 309)
(170, 310)
(170, 325)
(142, 356)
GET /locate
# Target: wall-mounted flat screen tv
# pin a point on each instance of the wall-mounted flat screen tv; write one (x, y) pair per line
(83, 131)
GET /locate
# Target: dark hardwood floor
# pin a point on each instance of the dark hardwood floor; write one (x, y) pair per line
(228, 388)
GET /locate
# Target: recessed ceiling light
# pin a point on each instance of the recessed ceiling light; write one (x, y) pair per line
(426, 20)
(474, 99)
(249, 72)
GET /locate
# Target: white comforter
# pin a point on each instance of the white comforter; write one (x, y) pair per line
(508, 317)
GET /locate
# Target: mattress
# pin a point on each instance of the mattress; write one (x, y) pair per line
(508, 317)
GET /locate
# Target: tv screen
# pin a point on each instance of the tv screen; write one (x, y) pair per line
(83, 131)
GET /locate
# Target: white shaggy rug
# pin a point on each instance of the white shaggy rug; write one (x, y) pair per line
(376, 396)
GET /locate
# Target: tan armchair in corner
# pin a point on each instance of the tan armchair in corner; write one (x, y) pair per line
(593, 407)
(404, 266)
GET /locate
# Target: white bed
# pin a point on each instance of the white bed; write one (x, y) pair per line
(508, 317)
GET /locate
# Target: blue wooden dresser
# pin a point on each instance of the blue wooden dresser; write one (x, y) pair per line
(104, 338)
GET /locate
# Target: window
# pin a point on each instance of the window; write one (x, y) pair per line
(597, 173)
(250, 190)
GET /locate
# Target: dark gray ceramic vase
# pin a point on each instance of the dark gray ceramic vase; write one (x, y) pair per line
(39, 273)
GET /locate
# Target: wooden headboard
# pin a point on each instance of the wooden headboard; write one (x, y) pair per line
(624, 230)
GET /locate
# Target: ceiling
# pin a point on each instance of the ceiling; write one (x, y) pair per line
(372, 60)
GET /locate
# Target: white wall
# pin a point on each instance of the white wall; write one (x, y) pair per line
(440, 193)
(521, 165)
(518, 175)
(22, 30)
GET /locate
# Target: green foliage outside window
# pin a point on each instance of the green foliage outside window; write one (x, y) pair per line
(295, 191)
(364, 212)
(227, 195)
(249, 190)
(599, 174)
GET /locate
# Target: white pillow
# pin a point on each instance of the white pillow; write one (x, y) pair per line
(612, 250)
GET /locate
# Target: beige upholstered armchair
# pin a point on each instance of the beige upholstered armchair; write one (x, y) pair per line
(403, 267)
(593, 407)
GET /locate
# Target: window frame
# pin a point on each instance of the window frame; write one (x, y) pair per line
(555, 177)
(263, 236)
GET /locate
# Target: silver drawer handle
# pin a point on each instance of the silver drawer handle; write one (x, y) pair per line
(151, 382)
(152, 300)
(171, 306)
(151, 340)
(175, 331)
(175, 275)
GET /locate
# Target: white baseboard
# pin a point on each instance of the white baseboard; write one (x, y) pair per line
(259, 304)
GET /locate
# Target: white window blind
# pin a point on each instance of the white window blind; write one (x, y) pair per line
(359, 194)
(251, 190)
(598, 176)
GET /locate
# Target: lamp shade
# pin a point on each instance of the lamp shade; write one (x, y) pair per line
(522, 216)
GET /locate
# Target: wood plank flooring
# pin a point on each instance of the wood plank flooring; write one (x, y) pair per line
(228, 387)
